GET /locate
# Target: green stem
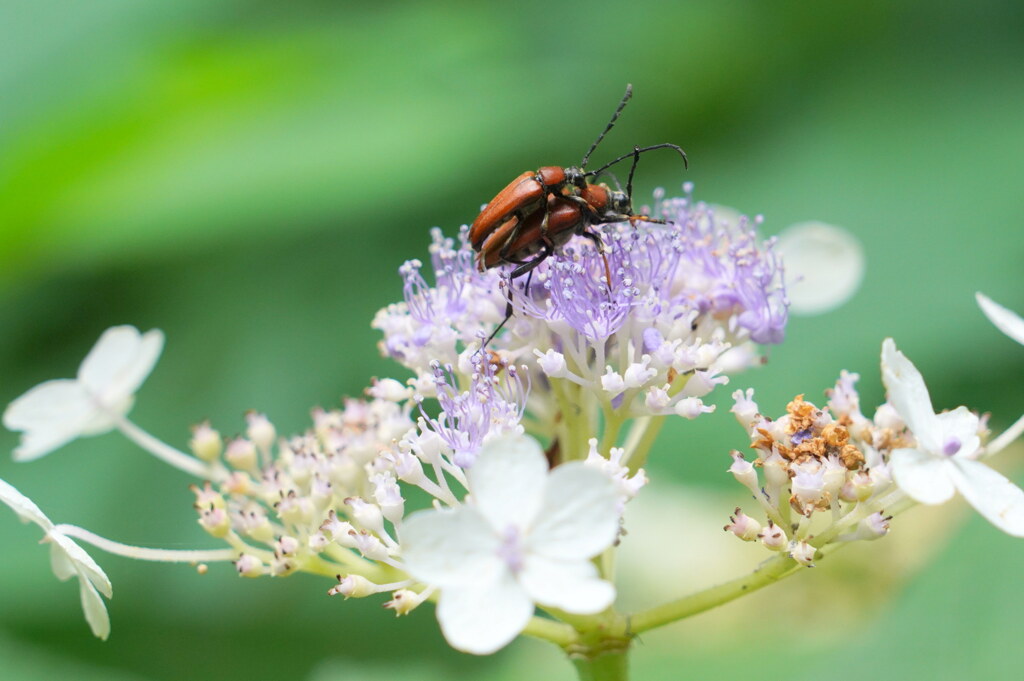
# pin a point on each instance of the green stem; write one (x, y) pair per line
(638, 456)
(609, 666)
(559, 633)
(769, 572)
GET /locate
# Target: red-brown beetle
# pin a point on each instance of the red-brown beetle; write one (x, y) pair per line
(497, 231)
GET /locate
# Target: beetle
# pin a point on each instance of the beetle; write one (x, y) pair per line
(497, 228)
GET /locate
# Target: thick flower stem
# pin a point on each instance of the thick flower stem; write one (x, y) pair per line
(609, 666)
(769, 572)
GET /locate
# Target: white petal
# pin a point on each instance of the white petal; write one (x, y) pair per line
(507, 481)
(1000, 501)
(960, 425)
(481, 619)
(60, 561)
(909, 396)
(81, 562)
(119, 362)
(23, 506)
(924, 477)
(824, 266)
(573, 586)
(95, 609)
(1007, 321)
(579, 518)
(450, 547)
(50, 415)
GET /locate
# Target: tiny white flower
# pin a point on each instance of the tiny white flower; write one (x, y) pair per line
(551, 363)
(947, 444)
(527, 537)
(612, 382)
(1007, 321)
(67, 559)
(56, 412)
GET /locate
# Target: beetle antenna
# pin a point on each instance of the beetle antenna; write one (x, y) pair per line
(632, 169)
(615, 179)
(615, 117)
(637, 151)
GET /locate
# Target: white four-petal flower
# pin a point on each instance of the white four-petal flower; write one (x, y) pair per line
(1007, 321)
(525, 537)
(58, 411)
(67, 559)
(947, 444)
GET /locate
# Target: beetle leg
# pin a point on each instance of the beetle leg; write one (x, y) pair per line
(526, 267)
(596, 238)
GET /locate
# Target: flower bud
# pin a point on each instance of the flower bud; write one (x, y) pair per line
(241, 454)
(261, 431)
(691, 407)
(859, 487)
(875, 526)
(238, 482)
(657, 399)
(612, 383)
(294, 509)
(286, 545)
(249, 566)
(353, 586)
(773, 537)
(743, 526)
(390, 390)
(206, 443)
(551, 363)
(405, 601)
(803, 553)
(207, 497)
(215, 521)
(366, 514)
(638, 373)
(282, 566)
(318, 542)
(744, 472)
(369, 546)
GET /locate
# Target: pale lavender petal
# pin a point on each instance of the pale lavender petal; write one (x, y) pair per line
(450, 547)
(1006, 320)
(924, 477)
(23, 506)
(908, 394)
(50, 415)
(997, 499)
(508, 481)
(579, 518)
(94, 608)
(573, 586)
(481, 618)
(119, 362)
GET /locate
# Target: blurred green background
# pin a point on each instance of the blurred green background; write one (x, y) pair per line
(248, 176)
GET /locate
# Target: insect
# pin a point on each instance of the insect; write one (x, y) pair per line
(540, 210)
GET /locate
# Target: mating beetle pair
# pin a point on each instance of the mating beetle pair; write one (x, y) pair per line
(539, 211)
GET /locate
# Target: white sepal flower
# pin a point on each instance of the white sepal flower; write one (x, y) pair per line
(525, 537)
(944, 459)
(56, 412)
(1007, 321)
(67, 560)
